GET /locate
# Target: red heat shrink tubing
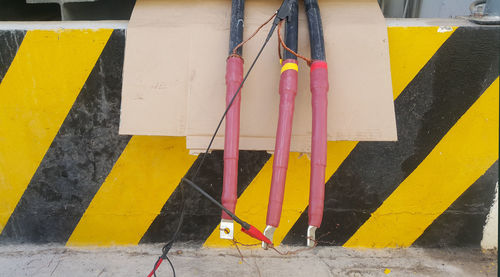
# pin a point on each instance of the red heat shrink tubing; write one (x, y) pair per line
(287, 91)
(319, 89)
(234, 77)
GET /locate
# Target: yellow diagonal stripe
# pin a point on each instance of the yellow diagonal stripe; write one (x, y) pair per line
(36, 94)
(457, 161)
(252, 204)
(141, 181)
(410, 48)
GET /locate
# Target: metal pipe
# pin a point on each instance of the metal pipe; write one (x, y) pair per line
(405, 9)
(492, 8)
(489, 14)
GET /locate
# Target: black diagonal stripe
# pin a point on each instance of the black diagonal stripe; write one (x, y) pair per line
(453, 79)
(10, 40)
(78, 160)
(462, 224)
(201, 216)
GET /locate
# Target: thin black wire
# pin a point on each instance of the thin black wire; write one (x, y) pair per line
(154, 266)
(269, 35)
(168, 260)
(233, 216)
(169, 244)
(171, 265)
(166, 248)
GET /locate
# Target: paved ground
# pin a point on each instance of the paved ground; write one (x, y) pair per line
(192, 261)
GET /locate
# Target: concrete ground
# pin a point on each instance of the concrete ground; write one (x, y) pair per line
(50, 260)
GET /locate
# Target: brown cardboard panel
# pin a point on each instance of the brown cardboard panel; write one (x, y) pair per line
(175, 65)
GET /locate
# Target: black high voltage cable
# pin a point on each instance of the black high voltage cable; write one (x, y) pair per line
(315, 30)
(236, 26)
(282, 13)
(291, 32)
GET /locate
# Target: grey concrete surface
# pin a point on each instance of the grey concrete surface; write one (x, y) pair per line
(50, 260)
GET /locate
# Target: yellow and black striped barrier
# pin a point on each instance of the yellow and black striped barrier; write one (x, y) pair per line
(66, 176)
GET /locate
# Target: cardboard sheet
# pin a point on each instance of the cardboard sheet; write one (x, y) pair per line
(173, 82)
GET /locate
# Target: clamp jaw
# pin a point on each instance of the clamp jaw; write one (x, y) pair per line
(284, 11)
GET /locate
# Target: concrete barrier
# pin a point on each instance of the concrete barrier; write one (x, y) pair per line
(67, 177)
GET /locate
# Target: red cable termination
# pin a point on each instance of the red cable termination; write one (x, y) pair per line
(319, 89)
(287, 91)
(234, 77)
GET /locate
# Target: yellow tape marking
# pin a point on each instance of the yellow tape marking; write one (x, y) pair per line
(252, 204)
(141, 181)
(288, 66)
(410, 48)
(36, 94)
(459, 159)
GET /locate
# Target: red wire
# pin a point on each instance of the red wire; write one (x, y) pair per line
(156, 267)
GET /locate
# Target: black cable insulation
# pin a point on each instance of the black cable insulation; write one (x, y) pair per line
(292, 31)
(236, 26)
(315, 30)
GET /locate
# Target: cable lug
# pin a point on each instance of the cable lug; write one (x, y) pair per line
(269, 233)
(226, 229)
(311, 236)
